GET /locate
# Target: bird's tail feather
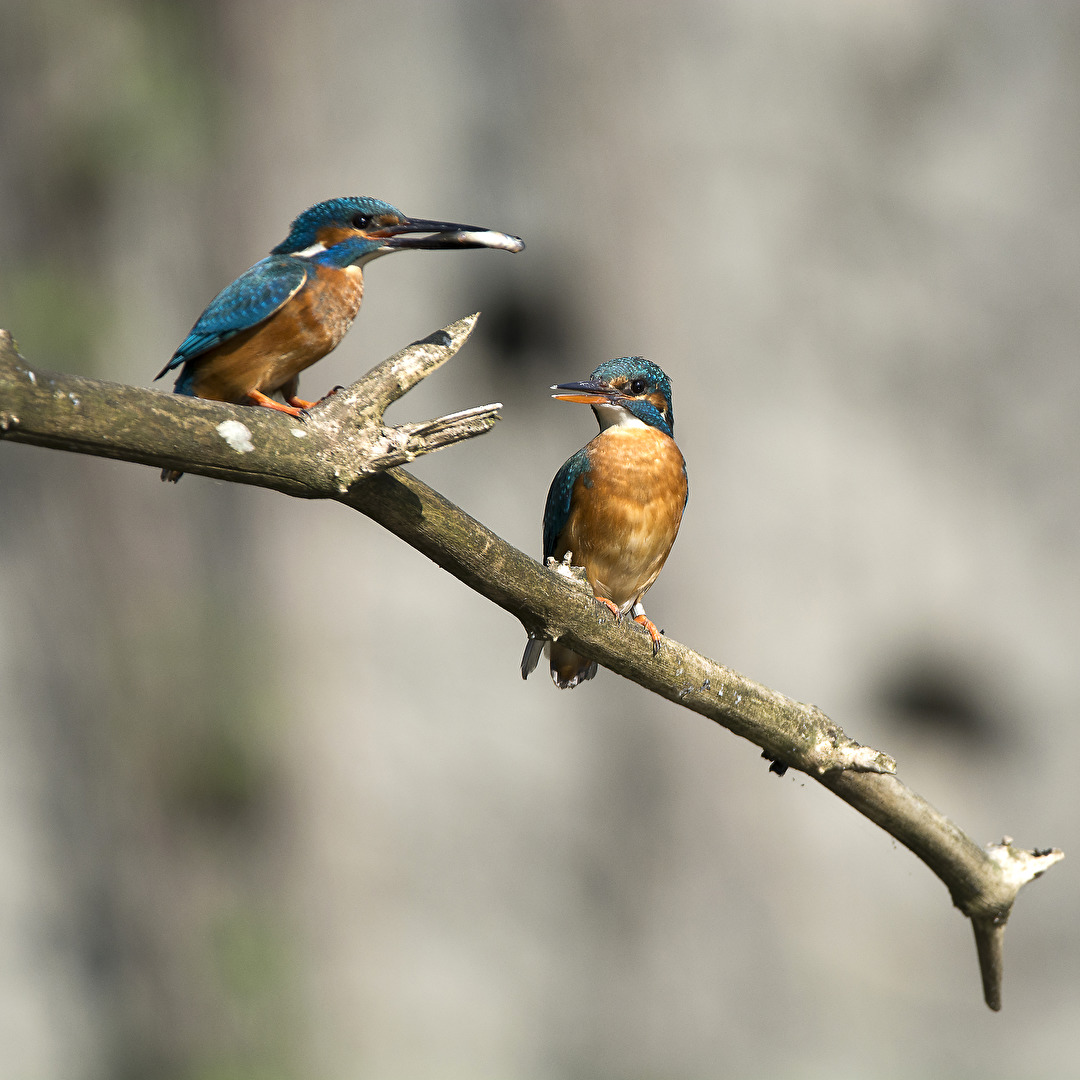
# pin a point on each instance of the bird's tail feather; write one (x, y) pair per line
(569, 668)
(534, 649)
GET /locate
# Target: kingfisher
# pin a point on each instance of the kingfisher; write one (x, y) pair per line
(615, 507)
(293, 307)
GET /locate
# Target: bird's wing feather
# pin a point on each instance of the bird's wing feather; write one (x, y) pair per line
(557, 509)
(252, 298)
(534, 649)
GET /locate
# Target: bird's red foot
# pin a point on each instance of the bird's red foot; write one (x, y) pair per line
(300, 403)
(643, 620)
(613, 608)
(269, 403)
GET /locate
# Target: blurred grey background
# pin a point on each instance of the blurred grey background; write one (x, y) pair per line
(274, 800)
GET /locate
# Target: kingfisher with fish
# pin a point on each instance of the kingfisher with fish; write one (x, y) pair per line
(293, 307)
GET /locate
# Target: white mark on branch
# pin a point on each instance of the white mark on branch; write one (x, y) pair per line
(298, 433)
(1018, 867)
(236, 435)
(852, 756)
(463, 413)
(74, 400)
(32, 377)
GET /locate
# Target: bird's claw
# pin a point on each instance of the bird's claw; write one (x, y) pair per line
(643, 620)
(304, 407)
(612, 607)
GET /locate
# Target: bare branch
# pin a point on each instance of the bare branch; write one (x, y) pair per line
(343, 451)
(342, 438)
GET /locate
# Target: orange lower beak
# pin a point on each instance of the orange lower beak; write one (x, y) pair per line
(582, 399)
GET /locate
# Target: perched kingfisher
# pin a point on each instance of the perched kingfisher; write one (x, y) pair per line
(616, 505)
(293, 307)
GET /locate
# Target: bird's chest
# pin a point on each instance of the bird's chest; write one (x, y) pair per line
(323, 310)
(625, 510)
(271, 354)
(310, 325)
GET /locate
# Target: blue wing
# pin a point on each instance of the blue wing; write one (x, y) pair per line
(253, 297)
(557, 509)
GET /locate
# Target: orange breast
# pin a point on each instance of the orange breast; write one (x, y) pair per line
(266, 357)
(625, 512)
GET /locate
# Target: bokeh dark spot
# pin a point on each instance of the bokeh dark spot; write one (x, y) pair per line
(937, 695)
(526, 329)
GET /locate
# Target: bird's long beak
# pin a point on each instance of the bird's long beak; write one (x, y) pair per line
(586, 393)
(444, 234)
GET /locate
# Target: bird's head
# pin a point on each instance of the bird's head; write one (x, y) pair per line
(624, 391)
(357, 229)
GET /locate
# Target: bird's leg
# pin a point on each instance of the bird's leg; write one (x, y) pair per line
(288, 392)
(269, 403)
(643, 620)
(300, 403)
(613, 608)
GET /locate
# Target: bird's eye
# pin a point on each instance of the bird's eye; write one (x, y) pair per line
(360, 221)
(637, 387)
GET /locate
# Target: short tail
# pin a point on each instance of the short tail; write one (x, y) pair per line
(171, 475)
(568, 668)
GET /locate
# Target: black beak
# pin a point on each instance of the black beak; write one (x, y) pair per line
(586, 393)
(431, 235)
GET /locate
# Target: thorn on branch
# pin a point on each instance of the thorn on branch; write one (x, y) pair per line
(775, 765)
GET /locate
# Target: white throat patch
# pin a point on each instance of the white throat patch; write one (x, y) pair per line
(613, 415)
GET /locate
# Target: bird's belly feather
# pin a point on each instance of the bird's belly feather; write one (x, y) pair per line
(625, 512)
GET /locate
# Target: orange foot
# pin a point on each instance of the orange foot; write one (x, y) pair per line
(613, 608)
(300, 403)
(269, 403)
(643, 620)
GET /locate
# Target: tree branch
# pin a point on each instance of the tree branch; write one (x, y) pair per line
(343, 452)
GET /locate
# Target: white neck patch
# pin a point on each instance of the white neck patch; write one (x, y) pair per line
(309, 251)
(318, 248)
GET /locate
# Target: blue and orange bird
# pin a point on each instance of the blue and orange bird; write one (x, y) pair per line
(293, 307)
(616, 505)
